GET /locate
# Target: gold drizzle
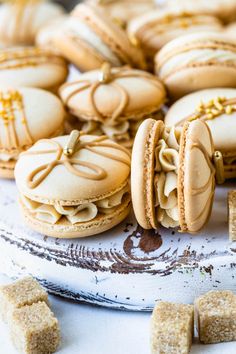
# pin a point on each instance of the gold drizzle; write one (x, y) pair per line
(37, 176)
(11, 102)
(110, 79)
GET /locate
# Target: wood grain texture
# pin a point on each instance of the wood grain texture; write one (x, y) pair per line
(125, 268)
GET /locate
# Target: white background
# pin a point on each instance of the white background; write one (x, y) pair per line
(92, 330)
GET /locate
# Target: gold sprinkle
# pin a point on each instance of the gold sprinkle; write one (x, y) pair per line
(229, 109)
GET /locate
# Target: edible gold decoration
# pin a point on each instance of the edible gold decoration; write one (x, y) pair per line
(219, 166)
(71, 145)
(105, 73)
(12, 110)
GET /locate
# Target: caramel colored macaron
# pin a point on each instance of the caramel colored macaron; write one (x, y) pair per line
(217, 107)
(26, 115)
(156, 28)
(173, 177)
(114, 101)
(89, 38)
(31, 66)
(197, 61)
(74, 186)
(224, 9)
(20, 20)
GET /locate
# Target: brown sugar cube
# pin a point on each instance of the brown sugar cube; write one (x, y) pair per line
(34, 329)
(232, 215)
(23, 292)
(216, 317)
(172, 328)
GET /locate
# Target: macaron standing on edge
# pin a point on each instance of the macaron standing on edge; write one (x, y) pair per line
(26, 115)
(197, 61)
(172, 175)
(217, 107)
(74, 186)
(114, 101)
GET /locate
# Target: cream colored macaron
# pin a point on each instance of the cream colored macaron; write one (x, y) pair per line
(114, 101)
(33, 67)
(217, 107)
(197, 61)
(89, 38)
(26, 115)
(20, 20)
(74, 186)
(173, 177)
(156, 28)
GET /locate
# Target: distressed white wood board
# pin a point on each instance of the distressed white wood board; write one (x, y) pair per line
(124, 268)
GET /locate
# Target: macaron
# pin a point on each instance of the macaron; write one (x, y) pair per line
(74, 186)
(173, 177)
(26, 115)
(122, 11)
(114, 101)
(89, 38)
(20, 20)
(197, 61)
(31, 66)
(217, 107)
(224, 9)
(156, 28)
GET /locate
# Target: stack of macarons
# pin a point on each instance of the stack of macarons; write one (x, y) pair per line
(85, 147)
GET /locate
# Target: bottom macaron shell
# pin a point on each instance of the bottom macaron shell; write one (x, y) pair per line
(7, 169)
(65, 230)
(193, 79)
(196, 178)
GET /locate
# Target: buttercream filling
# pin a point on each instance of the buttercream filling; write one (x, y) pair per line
(197, 57)
(165, 178)
(52, 214)
(84, 32)
(9, 156)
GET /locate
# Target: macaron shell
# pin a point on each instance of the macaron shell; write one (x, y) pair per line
(186, 106)
(196, 176)
(142, 172)
(62, 186)
(64, 229)
(7, 169)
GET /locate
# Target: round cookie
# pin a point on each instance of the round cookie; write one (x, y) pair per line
(156, 28)
(74, 186)
(89, 38)
(33, 67)
(197, 61)
(217, 107)
(224, 9)
(26, 115)
(20, 20)
(114, 101)
(172, 175)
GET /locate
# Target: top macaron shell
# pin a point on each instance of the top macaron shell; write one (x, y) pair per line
(197, 61)
(195, 175)
(19, 23)
(62, 186)
(223, 127)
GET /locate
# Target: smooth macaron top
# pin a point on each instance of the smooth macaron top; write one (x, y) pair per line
(97, 169)
(217, 107)
(155, 167)
(113, 36)
(114, 94)
(28, 114)
(31, 66)
(20, 20)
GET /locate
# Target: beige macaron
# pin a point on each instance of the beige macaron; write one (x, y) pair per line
(224, 9)
(122, 11)
(217, 107)
(114, 101)
(89, 38)
(156, 28)
(74, 186)
(26, 115)
(173, 177)
(197, 61)
(20, 20)
(31, 66)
